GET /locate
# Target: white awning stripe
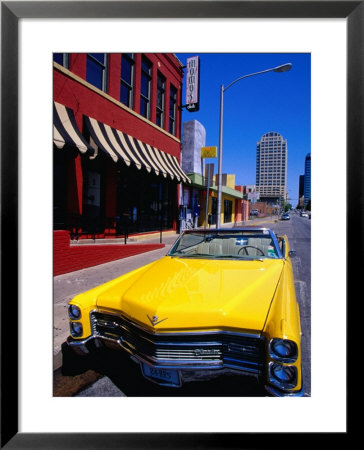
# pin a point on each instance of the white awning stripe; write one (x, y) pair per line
(115, 144)
(137, 152)
(179, 169)
(163, 160)
(172, 163)
(121, 146)
(125, 145)
(153, 154)
(65, 129)
(98, 136)
(142, 147)
(162, 163)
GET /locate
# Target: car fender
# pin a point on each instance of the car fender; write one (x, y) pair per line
(87, 301)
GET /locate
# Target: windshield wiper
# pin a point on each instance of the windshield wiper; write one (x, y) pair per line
(239, 258)
(190, 255)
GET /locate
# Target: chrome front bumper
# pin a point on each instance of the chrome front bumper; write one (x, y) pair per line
(189, 371)
(91, 343)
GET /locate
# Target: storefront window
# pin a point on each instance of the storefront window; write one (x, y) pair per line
(213, 217)
(187, 197)
(60, 162)
(228, 209)
(145, 202)
(93, 208)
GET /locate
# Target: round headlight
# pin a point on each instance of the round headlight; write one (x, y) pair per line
(283, 376)
(76, 329)
(74, 312)
(283, 350)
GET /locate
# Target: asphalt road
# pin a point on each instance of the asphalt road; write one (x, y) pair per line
(298, 231)
(114, 377)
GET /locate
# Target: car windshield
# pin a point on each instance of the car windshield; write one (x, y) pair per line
(229, 244)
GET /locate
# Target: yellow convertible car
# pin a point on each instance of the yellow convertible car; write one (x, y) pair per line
(220, 300)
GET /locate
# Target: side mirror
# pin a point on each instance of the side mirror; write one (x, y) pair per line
(292, 253)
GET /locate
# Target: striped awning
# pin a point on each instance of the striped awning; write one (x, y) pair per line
(65, 129)
(132, 151)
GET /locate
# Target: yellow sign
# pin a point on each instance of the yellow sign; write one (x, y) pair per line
(208, 152)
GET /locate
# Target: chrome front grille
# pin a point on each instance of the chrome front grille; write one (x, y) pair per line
(185, 354)
(215, 349)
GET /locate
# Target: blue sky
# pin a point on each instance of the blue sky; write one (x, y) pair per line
(272, 101)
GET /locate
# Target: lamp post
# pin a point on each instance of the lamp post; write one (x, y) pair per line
(282, 68)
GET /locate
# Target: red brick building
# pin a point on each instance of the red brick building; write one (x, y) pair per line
(117, 147)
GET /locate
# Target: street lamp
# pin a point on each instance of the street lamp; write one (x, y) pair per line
(282, 68)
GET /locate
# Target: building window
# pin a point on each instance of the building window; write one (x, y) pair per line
(228, 209)
(161, 85)
(127, 79)
(145, 91)
(172, 110)
(96, 70)
(62, 59)
(212, 220)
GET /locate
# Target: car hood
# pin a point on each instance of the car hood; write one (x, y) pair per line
(194, 294)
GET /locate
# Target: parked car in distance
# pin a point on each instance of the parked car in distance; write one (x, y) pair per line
(254, 212)
(285, 216)
(221, 301)
(304, 214)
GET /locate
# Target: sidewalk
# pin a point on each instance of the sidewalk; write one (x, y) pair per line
(68, 285)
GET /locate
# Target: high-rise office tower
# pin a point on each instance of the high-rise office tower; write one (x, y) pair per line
(301, 186)
(271, 171)
(307, 181)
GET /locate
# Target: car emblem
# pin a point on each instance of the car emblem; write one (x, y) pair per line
(154, 320)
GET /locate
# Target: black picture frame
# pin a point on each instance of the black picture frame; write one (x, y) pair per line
(11, 13)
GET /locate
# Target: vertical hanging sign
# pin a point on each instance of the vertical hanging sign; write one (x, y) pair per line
(193, 84)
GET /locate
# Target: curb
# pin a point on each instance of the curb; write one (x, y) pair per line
(57, 360)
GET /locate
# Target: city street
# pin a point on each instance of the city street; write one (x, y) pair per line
(120, 376)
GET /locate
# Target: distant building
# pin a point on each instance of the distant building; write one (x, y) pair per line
(250, 193)
(301, 184)
(194, 197)
(193, 138)
(307, 179)
(271, 168)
